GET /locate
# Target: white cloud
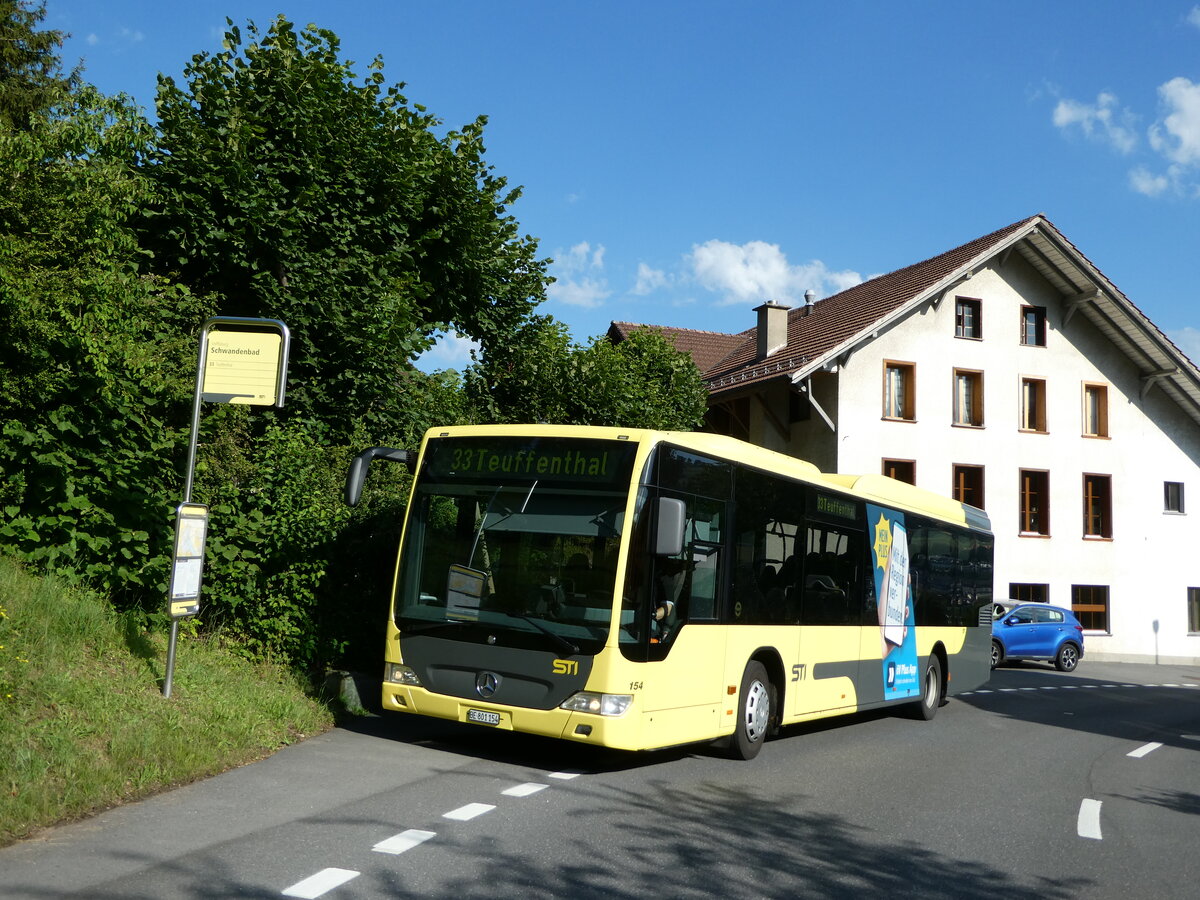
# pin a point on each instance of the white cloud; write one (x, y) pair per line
(580, 258)
(757, 271)
(1103, 121)
(649, 280)
(586, 292)
(1181, 141)
(452, 351)
(92, 39)
(1188, 340)
(1145, 182)
(1193, 17)
(579, 274)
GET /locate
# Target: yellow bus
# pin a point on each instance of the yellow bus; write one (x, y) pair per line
(637, 589)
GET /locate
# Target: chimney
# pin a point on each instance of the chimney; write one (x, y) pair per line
(772, 328)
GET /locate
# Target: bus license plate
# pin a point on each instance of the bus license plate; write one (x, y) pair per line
(483, 717)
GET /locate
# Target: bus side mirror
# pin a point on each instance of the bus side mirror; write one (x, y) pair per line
(359, 465)
(671, 516)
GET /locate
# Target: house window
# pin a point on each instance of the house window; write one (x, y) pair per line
(1033, 404)
(901, 469)
(1173, 497)
(1089, 602)
(968, 397)
(1029, 593)
(1095, 410)
(968, 318)
(1193, 610)
(968, 485)
(1097, 506)
(1033, 326)
(899, 401)
(1035, 502)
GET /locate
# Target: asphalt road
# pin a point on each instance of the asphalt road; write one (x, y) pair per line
(1043, 784)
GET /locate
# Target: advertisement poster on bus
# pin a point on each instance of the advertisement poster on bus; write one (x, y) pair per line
(893, 591)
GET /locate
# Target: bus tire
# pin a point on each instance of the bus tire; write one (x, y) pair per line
(756, 699)
(931, 688)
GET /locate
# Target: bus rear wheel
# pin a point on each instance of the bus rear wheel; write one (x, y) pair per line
(756, 697)
(931, 688)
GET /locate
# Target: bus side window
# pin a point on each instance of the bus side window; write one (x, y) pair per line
(830, 577)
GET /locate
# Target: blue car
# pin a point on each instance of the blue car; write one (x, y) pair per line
(1037, 631)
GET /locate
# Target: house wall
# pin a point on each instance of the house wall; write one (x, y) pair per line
(1149, 562)
(808, 437)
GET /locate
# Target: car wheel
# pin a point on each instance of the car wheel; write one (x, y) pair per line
(931, 689)
(997, 653)
(754, 712)
(1068, 658)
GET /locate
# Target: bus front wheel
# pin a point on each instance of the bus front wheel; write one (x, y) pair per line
(756, 697)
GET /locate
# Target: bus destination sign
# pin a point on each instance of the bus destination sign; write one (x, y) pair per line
(548, 459)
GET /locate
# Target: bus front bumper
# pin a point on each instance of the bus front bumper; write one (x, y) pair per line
(618, 732)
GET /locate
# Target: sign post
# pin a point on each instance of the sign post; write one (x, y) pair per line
(241, 361)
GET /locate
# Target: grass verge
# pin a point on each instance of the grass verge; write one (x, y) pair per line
(84, 725)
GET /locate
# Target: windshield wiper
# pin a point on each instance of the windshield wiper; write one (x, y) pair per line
(508, 514)
(559, 641)
(428, 629)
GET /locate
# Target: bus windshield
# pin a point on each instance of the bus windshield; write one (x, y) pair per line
(516, 537)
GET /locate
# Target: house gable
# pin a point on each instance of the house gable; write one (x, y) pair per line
(821, 333)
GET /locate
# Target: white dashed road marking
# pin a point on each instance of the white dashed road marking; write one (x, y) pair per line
(1088, 823)
(468, 812)
(405, 840)
(327, 879)
(524, 790)
(316, 885)
(1144, 749)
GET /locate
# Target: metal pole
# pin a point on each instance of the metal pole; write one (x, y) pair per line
(170, 658)
(187, 497)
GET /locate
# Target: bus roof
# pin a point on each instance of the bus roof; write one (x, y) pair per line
(878, 488)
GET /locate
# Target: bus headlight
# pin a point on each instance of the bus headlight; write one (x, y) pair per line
(598, 704)
(398, 674)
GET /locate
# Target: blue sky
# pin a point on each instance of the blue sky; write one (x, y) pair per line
(684, 161)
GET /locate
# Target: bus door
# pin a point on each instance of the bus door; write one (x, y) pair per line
(680, 684)
(831, 619)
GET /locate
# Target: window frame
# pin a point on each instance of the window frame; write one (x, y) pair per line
(1100, 427)
(910, 463)
(1193, 610)
(908, 400)
(1024, 515)
(968, 318)
(1023, 592)
(975, 377)
(1035, 424)
(1097, 506)
(959, 490)
(1173, 506)
(1039, 330)
(1086, 601)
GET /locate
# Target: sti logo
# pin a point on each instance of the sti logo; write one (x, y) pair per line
(891, 675)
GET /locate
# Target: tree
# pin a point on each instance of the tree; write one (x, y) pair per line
(94, 357)
(293, 191)
(541, 375)
(31, 77)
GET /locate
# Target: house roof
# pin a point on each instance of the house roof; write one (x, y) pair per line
(707, 348)
(831, 328)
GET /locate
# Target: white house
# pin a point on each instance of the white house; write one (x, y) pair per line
(1010, 374)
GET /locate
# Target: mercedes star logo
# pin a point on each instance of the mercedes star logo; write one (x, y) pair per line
(486, 684)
